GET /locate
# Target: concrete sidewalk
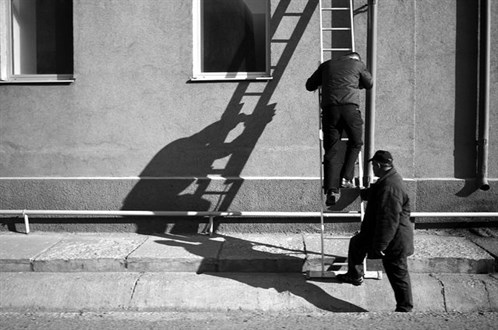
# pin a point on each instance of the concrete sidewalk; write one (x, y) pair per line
(113, 252)
(109, 272)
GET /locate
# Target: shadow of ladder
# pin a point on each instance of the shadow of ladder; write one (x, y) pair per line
(261, 113)
(336, 39)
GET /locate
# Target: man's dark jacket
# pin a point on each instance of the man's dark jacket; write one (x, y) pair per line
(341, 80)
(386, 226)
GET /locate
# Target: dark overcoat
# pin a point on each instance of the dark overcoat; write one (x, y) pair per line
(387, 226)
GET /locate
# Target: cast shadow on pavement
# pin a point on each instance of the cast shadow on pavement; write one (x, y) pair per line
(294, 283)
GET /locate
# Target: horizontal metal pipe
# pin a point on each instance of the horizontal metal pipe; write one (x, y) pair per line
(178, 213)
(454, 214)
(256, 214)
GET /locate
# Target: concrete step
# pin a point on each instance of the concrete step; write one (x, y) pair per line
(259, 292)
(270, 253)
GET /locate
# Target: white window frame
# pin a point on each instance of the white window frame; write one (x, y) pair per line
(6, 53)
(198, 75)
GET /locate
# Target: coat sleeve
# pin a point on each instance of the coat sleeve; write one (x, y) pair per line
(366, 80)
(365, 193)
(388, 218)
(315, 80)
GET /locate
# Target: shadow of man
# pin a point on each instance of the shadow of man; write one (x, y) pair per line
(278, 271)
(166, 182)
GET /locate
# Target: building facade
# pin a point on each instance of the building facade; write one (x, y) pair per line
(200, 105)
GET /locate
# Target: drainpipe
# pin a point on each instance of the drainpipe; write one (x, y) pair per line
(370, 101)
(484, 72)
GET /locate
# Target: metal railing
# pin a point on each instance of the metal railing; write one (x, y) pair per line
(226, 214)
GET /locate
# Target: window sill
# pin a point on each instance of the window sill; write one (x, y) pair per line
(38, 79)
(228, 79)
(6, 82)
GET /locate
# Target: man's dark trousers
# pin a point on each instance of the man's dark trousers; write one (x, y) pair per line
(396, 270)
(335, 120)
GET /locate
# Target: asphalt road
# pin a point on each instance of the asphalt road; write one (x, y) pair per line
(247, 320)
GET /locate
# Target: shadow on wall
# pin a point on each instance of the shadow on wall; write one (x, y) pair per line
(193, 157)
(466, 94)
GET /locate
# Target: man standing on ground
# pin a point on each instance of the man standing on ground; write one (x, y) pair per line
(341, 80)
(386, 232)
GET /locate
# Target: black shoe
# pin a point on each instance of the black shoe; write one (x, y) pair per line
(332, 197)
(402, 310)
(346, 278)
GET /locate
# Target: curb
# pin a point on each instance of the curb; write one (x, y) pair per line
(273, 253)
(131, 291)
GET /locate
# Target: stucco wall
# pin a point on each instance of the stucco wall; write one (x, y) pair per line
(133, 113)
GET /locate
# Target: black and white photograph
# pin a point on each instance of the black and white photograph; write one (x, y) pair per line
(248, 164)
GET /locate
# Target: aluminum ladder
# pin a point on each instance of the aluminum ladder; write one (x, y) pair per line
(336, 39)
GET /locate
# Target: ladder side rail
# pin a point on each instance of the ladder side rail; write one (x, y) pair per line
(320, 141)
(351, 21)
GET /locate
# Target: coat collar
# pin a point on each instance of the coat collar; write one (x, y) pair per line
(388, 174)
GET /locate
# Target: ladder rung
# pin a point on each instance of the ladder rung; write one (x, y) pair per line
(336, 29)
(336, 49)
(334, 8)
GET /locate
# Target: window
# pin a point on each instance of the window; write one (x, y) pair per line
(231, 39)
(36, 42)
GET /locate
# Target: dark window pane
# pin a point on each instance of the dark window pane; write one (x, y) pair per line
(54, 26)
(234, 35)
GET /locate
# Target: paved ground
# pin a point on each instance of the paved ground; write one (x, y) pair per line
(247, 320)
(131, 272)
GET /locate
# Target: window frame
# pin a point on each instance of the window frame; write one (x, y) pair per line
(6, 54)
(199, 75)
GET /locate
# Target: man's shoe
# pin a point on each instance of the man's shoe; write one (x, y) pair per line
(346, 278)
(403, 310)
(347, 183)
(332, 197)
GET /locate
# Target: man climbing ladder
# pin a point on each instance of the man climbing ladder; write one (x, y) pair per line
(341, 80)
